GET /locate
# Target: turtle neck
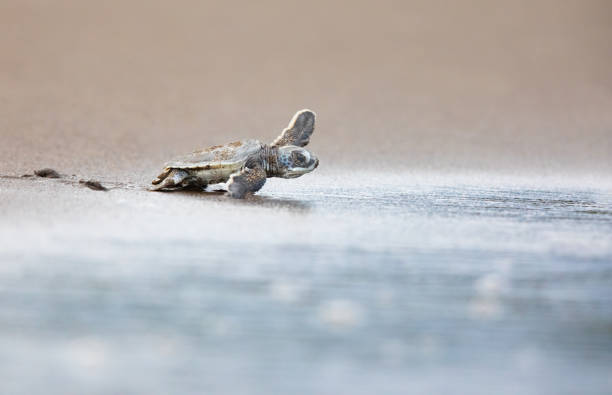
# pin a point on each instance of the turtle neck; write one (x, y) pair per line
(269, 158)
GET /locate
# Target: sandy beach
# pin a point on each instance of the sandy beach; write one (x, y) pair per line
(116, 89)
(455, 237)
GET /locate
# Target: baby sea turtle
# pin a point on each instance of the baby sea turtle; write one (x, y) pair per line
(246, 164)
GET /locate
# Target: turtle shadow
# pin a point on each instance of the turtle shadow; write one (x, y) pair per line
(249, 200)
(272, 202)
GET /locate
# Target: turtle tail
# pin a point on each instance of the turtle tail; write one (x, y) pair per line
(169, 179)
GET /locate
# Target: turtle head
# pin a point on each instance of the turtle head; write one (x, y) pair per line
(293, 161)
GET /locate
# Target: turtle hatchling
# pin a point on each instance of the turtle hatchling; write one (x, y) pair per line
(246, 164)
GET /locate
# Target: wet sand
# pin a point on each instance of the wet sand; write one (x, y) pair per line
(323, 285)
(455, 235)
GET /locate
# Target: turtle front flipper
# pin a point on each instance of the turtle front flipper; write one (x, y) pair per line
(299, 130)
(246, 181)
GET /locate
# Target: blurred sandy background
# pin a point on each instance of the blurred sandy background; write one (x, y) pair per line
(113, 89)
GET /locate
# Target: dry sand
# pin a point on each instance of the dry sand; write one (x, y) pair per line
(113, 89)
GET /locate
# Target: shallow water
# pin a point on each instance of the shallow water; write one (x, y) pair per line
(318, 285)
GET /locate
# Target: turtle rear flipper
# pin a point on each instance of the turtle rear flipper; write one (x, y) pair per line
(170, 179)
(161, 177)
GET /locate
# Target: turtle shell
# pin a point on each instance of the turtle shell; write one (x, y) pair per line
(218, 156)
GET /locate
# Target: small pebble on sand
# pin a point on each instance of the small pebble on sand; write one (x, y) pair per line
(47, 173)
(93, 184)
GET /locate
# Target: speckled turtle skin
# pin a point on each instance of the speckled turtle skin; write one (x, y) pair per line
(244, 165)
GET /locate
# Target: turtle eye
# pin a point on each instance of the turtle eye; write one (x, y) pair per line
(298, 157)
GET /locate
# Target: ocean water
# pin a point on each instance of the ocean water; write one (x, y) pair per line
(329, 284)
